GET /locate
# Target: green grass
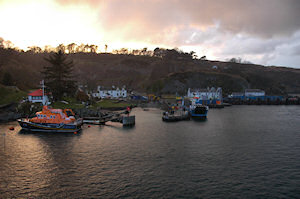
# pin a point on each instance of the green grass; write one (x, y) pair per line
(70, 105)
(10, 95)
(107, 103)
(168, 96)
(73, 104)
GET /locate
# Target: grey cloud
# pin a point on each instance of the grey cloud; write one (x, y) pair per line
(296, 50)
(263, 51)
(261, 18)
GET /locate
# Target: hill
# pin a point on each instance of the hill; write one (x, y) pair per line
(152, 74)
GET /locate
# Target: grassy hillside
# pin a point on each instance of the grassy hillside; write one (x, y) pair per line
(10, 95)
(153, 74)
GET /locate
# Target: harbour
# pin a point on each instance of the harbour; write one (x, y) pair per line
(149, 99)
(239, 151)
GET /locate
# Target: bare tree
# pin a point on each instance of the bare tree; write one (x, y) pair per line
(1, 42)
(203, 58)
(35, 49)
(61, 47)
(87, 48)
(124, 51)
(71, 48)
(8, 44)
(143, 51)
(193, 54)
(48, 49)
(80, 48)
(93, 48)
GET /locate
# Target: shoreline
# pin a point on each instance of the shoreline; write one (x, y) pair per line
(11, 113)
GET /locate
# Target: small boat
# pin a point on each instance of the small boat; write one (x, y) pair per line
(52, 120)
(175, 116)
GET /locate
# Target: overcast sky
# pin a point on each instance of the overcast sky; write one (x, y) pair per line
(261, 31)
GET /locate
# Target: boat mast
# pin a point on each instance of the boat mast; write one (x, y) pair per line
(43, 86)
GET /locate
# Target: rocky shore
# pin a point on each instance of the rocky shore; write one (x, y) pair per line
(8, 112)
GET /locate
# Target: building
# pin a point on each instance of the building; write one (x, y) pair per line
(236, 94)
(110, 93)
(37, 96)
(254, 93)
(205, 94)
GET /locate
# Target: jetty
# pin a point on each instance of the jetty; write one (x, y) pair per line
(120, 117)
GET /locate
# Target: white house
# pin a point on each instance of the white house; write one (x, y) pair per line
(37, 96)
(110, 93)
(205, 94)
(254, 92)
(236, 94)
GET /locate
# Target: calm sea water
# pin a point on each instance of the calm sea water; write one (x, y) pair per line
(239, 152)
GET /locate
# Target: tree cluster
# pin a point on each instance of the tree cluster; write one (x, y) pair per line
(239, 60)
(58, 75)
(174, 54)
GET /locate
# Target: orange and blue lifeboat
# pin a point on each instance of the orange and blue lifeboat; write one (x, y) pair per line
(52, 120)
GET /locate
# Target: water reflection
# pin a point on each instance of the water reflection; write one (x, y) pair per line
(117, 126)
(233, 153)
(27, 163)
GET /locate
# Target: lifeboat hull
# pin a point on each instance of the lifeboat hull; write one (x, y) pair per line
(50, 127)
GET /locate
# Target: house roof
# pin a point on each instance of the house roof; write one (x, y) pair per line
(237, 94)
(254, 90)
(38, 92)
(199, 90)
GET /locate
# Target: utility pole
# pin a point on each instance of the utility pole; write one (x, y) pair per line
(43, 87)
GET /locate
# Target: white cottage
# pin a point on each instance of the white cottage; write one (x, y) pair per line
(205, 94)
(110, 93)
(37, 96)
(254, 93)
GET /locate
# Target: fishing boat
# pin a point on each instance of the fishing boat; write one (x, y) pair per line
(198, 110)
(52, 120)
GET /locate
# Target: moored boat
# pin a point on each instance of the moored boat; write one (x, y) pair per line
(175, 116)
(198, 110)
(52, 120)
